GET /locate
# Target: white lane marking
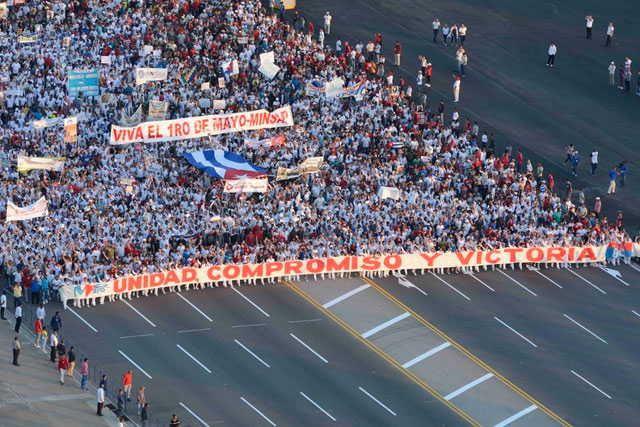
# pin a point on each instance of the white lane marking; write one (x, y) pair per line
(140, 314)
(186, 331)
(429, 353)
(545, 276)
(516, 416)
(577, 275)
(345, 296)
(136, 336)
(446, 283)
(195, 308)
(490, 288)
(252, 353)
(516, 332)
(385, 324)
(134, 364)
(615, 274)
(595, 335)
(193, 358)
(251, 302)
(258, 411)
(518, 283)
(317, 406)
(634, 266)
(590, 383)
(249, 325)
(636, 313)
(377, 401)
(304, 321)
(402, 281)
(469, 386)
(194, 414)
(309, 348)
(83, 321)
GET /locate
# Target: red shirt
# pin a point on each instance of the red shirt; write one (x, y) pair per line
(127, 378)
(63, 363)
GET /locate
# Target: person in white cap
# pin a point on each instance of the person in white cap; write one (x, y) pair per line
(612, 73)
(327, 23)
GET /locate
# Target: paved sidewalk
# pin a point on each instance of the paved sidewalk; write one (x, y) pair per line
(31, 395)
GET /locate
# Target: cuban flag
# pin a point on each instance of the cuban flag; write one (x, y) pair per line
(223, 164)
(627, 249)
(610, 252)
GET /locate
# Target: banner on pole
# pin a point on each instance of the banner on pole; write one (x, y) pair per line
(25, 164)
(144, 75)
(198, 127)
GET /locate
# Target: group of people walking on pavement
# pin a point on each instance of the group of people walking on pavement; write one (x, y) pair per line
(617, 173)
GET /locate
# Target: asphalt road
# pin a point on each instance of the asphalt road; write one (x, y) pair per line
(277, 330)
(508, 89)
(548, 335)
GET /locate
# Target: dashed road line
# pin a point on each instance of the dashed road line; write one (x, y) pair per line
(195, 308)
(140, 314)
(590, 383)
(425, 355)
(258, 411)
(484, 284)
(377, 401)
(251, 302)
(385, 325)
(252, 353)
(549, 279)
(188, 331)
(250, 325)
(309, 348)
(588, 282)
(345, 296)
(317, 406)
(469, 386)
(518, 283)
(136, 336)
(583, 327)
(82, 319)
(303, 321)
(451, 286)
(193, 358)
(636, 313)
(135, 364)
(516, 416)
(194, 414)
(515, 332)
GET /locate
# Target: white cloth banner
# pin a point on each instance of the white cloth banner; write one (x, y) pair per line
(365, 264)
(144, 75)
(106, 60)
(219, 104)
(46, 163)
(34, 210)
(389, 193)
(248, 185)
(198, 127)
(269, 70)
(334, 88)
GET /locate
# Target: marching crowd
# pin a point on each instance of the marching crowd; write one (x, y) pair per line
(457, 190)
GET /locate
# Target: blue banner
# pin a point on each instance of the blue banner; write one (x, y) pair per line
(83, 81)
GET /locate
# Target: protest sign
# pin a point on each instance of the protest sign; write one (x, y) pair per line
(85, 82)
(34, 210)
(71, 129)
(247, 185)
(25, 164)
(144, 75)
(157, 110)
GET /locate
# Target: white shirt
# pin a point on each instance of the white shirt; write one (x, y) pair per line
(436, 25)
(40, 313)
(589, 22)
(612, 68)
(456, 84)
(100, 395)
(327, 19)
(594, 157)
(19, 311)
(552, 49)
(610, 30)
(3, 301)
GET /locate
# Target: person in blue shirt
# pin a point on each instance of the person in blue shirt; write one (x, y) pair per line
(622, 172)
(36, 289)
(613, 174)
(44, 285)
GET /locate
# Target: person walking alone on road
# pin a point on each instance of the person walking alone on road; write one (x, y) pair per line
(569, 151)
(589, 24)
(141, 400)
(127, 383)
(462, 32)
(53, 345)
(327, 23)
(612, 74)
(622, 173)
(613, 174)
(16, 350)
(18, 315)
(71, 356)
(609, 35)
(456, 88)
(594, 161)
(436, 28)
(84, 372)
(460, 60)
(175, 421)
(575, 161)
(37, 327)
(397, 51)
(551, 52)
(56, 322)
(63, 365)
(100, 400)
(3, 304)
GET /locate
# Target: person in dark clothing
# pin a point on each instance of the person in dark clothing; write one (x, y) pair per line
(103, 382)
(61, 348)
(16, 350)
(175, 421)
(56, 322)
(121, 397)
(144, 414)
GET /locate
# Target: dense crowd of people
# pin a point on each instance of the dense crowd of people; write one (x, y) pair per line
(457, 191)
